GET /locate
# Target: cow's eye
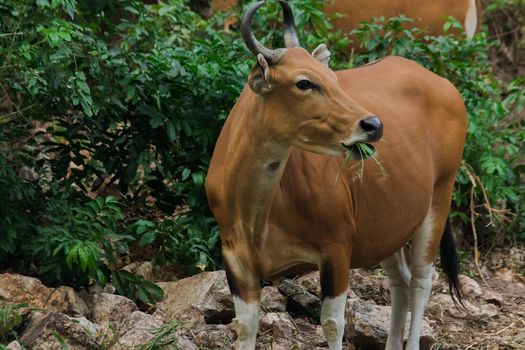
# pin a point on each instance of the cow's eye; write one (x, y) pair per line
(305, 84)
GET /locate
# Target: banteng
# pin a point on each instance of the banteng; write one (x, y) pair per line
(282, 206)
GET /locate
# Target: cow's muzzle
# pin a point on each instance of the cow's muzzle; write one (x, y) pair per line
(372, 128)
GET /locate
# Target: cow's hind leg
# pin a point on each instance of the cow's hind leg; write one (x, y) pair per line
(423, 254)
(398, 273)
(334, 274)
(425, 247)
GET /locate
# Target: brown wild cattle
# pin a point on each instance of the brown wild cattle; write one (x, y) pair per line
(432, 14)
(274, 188)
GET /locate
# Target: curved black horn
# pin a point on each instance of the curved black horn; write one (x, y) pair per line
(290, 33)
(272, 56)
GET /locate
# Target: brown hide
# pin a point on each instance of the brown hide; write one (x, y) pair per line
(303, 214)
(430, 14)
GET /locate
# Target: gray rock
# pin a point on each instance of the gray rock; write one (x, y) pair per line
(312, 282)
(492, 297)
(203, 298)
(112, 308)
(14, 345)
(312, 335)
(469, 287)
(367, 326)
(65, 300)
(97, 288)
(90, 327)
(282, 331)
(444, 303)
(212, 336)
(46, 331)
(143, 269)
(300, 300)
(272, 300)
(136, 330)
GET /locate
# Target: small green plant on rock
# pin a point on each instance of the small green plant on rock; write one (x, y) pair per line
(10, 321)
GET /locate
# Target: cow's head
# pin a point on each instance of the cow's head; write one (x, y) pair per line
(304, 104)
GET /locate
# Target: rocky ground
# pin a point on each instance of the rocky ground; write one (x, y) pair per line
(196, 313)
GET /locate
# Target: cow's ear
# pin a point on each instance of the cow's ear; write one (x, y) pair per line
(322, 54)
(259, 77)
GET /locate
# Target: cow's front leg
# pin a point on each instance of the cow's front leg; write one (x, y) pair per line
(245, 288)
(334, 274)
(246, 322)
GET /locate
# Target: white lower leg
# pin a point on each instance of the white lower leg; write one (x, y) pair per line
(246, 323)
(399, 279)
(420, 288)
(333, 320)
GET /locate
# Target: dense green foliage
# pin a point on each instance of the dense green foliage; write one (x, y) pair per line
(125, 99)
(131, 98)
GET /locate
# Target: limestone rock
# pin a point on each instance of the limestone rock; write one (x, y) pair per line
(272, 300)
(136, 330)
(300, 300)
(213, 336)
(90, 327)
(46, 329)
(282, 331)
(367, 326)
(312, 282)
(492, 297)
(444, 303)
(112, 308)
(19, 289)
(203, 298)
(97, 288)
(312, 335)
(143, 269)
(14, 345)
(65, 300)
(469, 287)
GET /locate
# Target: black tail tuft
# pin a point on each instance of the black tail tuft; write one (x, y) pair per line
(450, 264)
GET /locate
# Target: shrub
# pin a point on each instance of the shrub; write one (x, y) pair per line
(130, 95)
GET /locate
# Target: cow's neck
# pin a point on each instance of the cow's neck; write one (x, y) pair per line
(254, 166)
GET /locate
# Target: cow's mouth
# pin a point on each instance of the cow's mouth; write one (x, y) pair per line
(360, 150)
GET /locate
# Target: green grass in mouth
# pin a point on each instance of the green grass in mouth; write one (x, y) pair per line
(365, 151)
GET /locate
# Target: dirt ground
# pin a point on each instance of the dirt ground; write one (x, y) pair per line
(496, 302)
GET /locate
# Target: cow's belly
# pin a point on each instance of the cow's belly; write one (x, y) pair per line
(279, 254)
(387, 219)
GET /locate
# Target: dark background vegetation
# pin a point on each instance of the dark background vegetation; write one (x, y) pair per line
(109, 111)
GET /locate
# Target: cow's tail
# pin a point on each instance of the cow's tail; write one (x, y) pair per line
(450, 264)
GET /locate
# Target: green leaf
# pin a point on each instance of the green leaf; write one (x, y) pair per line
(164, 9)
(198, 178)
(83, 86)
(60, 340)
(150, 293)
(185, 174)
(101, 277)
(147, 238)
(84, 256)
(170, 130)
